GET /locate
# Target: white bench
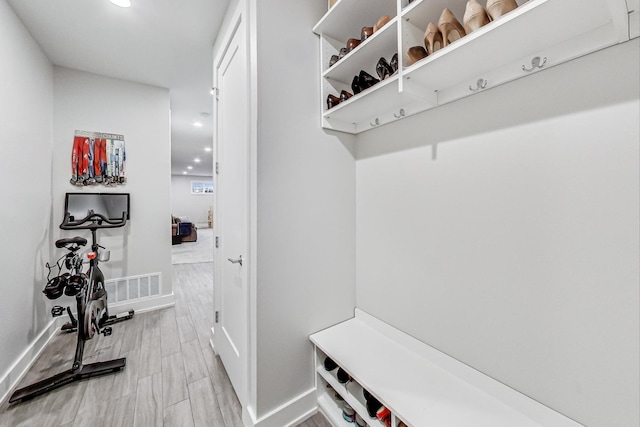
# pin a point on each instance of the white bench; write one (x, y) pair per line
(419, 384)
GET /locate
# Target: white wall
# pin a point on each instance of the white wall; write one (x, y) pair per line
(140, 112)
(504, 230)
(194, 206)
(306, 205)
(26, 133)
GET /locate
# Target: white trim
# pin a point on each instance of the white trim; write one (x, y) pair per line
(288, 414)
(24, 362)
(252, 362)
(141, 305)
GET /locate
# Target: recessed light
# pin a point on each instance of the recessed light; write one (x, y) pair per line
(197, 160)
(197, 124)
(189, 167)
(184, 172)
(121, 3)
(207, 149)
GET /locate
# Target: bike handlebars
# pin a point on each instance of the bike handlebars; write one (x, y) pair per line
(95, 221)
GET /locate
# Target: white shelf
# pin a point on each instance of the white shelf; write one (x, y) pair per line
(382, 43)
(516, 34)
(423, 386)
(559, 30)
(347, 17)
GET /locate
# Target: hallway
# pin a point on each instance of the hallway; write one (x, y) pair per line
(172, 376)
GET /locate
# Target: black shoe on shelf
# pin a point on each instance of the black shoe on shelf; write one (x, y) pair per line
(329, 364)
(343, 377)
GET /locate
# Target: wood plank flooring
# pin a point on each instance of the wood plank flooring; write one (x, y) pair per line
(172, 376)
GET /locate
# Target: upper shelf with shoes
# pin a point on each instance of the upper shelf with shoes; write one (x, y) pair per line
(449, 49)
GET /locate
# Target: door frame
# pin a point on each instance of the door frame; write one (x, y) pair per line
(240, 19)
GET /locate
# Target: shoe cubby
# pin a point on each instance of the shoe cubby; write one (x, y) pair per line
(537, 35)
(417, 383)
(350, 392)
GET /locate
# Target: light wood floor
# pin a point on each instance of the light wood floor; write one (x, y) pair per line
(172, 377)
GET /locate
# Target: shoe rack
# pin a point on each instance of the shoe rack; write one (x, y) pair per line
(334, 395)
(538, 34)
(419, 385)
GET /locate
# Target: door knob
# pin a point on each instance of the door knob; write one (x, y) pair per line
(235, 261)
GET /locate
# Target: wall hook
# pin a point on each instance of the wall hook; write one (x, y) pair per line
(400, 114)
(535, 64)
(375, 123)
(480, 84)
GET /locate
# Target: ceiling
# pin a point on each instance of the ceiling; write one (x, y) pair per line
(166, 43)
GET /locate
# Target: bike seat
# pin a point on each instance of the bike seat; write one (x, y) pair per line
(71, 240)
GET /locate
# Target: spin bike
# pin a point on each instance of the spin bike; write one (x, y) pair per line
(91, 302)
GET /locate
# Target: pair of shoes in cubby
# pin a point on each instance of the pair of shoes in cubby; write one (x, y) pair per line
(351, 416)
(353, 43)
(342, 375)
(334, 393)
(449, 29)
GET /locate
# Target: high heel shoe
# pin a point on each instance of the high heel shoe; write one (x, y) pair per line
(432, 38)
(474, 16)
(384, 20)
(332, 101)
(394, 62)
(344, 95)
(365, 33)
(497, 8)
(416, 53)
(355, 85)
(366, 80)
(352, 44)
(450, 28)
(383, 69)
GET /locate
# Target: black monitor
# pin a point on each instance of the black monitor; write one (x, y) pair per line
(111, 205)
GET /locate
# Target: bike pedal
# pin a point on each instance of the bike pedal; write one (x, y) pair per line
(106, 331)
(56, 311)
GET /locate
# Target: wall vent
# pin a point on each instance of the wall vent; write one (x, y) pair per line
(134, 287)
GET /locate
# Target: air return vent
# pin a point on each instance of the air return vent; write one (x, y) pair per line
(134, 287)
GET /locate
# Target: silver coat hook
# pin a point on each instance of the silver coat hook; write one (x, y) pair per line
(535, 64)
(375, 123)
(400, 114)
(480, 84)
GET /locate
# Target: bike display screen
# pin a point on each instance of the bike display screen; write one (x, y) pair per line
(111, 205)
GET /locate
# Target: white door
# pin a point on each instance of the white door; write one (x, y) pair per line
(232, 204)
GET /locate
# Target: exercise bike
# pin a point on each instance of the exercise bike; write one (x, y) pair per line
(91, 302)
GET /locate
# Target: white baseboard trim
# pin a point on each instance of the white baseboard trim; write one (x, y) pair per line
(289, 414)
(142, 305)
(21, 366)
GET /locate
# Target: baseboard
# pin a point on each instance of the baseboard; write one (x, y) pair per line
(21, 366)
(142, 305)
(289, 414)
